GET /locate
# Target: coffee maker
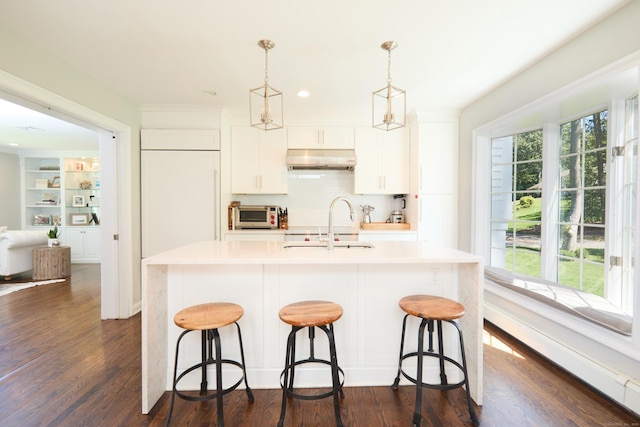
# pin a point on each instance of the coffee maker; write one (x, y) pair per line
(397, 214)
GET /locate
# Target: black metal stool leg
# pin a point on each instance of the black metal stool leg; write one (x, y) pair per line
(175, 375)
(430, 329)
(334, 373)
(472, 412)
(244, 369)
(218, 363)
(418, 410)
(443, 374)
(205, 345)
(394, 386)
(289, 362)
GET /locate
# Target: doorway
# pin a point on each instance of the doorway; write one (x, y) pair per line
(117, 288)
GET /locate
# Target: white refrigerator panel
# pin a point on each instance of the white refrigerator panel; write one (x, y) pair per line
(180, 197)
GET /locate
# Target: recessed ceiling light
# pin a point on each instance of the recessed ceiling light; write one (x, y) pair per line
(303, 93)
(29, 128)
(209, 92)
(13, 144)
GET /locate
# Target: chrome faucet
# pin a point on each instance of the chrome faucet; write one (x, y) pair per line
(330, 230)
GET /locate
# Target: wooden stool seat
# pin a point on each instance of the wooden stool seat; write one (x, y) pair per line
(310, 313)
(432, 307)
(213, 315)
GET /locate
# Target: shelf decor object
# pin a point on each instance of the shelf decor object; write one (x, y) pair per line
(265, 102)
(389, 103)
(78, 219)
(78, 201)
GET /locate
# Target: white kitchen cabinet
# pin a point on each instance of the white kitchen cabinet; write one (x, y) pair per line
(84, 243)
(180, 139)
(382, 161)
(434, 155)
(320, 137)
(180, 188)
(438, 219)
(437, 157)
(258, 161)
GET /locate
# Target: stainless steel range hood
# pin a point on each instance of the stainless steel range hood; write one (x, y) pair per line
(340, 159)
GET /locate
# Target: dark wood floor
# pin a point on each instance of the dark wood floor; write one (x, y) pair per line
(61, 366)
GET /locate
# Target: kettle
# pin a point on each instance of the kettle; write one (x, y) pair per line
(366, 209)
(396, 217)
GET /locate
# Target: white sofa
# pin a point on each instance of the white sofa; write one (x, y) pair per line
(15, 250)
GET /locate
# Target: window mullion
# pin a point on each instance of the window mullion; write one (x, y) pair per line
(550, 203)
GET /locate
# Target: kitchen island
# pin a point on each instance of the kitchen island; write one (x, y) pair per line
(264, 276)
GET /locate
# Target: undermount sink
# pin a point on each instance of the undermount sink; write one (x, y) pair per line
(336, 245)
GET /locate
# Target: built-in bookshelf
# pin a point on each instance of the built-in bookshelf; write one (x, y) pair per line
(64, 192)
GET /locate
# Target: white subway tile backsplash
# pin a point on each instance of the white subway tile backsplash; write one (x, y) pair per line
(311, 193)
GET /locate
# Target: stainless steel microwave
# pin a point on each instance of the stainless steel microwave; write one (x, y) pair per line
(256, 217)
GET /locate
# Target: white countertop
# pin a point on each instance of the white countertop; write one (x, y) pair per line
(254, 252)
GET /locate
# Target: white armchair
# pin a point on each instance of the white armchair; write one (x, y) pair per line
(15, 250)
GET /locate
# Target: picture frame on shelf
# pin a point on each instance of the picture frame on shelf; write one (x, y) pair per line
(55, 182)
(78, 219)
(77, 201)
(41, 219)
(41, 183)
(78, 166)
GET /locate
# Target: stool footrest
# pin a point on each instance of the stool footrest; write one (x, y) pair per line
(290, 392)
(448, 386)
(201, 398)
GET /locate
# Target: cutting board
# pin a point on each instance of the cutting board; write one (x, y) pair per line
(384, 226)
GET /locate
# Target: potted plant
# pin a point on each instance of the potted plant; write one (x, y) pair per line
(53, 236)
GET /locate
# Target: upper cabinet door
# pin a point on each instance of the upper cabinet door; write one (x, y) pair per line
(258, 161)
(382, 161)
(320, 137)
(437, 157)
(180, 139)
(274, 176)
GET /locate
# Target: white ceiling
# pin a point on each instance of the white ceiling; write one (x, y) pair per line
(168, 52)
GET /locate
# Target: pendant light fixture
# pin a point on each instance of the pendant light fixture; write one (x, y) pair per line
(389, 103)
(265, 102)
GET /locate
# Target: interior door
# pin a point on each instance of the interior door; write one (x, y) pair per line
(112, 306)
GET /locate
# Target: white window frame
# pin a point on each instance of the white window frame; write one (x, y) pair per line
(545, 113)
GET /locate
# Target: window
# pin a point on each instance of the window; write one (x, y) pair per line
(516, 202)
(574, 224)
(582, 201)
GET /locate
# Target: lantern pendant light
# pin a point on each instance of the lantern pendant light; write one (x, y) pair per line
(265, 102)
(389, 103)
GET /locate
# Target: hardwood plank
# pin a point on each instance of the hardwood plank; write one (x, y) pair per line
(60, 365)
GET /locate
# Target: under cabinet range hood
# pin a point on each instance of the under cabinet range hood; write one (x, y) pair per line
(340, 159)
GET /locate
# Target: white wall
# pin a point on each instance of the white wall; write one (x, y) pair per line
(606, 42)
(10, 191)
